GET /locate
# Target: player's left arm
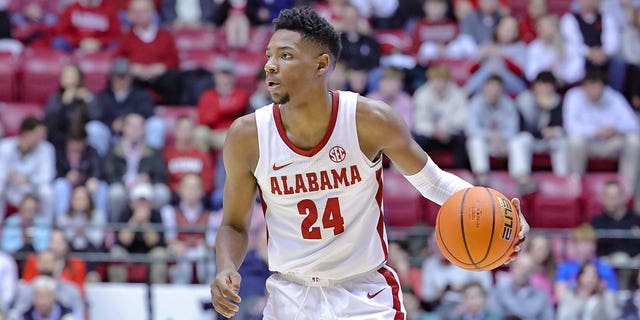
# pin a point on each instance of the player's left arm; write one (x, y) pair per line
(382, 129)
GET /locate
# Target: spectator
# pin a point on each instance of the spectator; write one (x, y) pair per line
(78, 164)
(254, 272)
(88, 25)
(440, 114)
(8, 282)
(120, 98)
(409, 276)
(68, 293)
(360, 51)
(615, 215)
(260, 96)
(152, 52)
(391, 92)
(82, 223)
(541, 113)
(190, 232)
(550, 52)
(184, 158)
(262, 12)
(545, 269)
(27, 165)
(7, 43)
(590, 300)
(140, 235)
(567, 275)
(536, 9)
(67, 107)
(509, 297)
(32, 19)
(376, 9)
(481, 23)
(65, 267)
(631, 308)
(473, 305)
(492, 123)
(630, 49)
(131, 162)
(45, 302)
(595, 35)
(28, 230)
(505, 57)
(599, 121)
(187, 14)
(232, 15)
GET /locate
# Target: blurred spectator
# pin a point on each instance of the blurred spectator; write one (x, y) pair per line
(550, 52)
(7, 43)
(473, 305)
(437, 36)
(480, 24)
(599, 121)
(391, 92)
(412, 306)
(64, 267)
(27, 165)
(409, 275)
(544, 273)
(504, 56)
(68, 293)
(67, 107)
(187, 14)
(567, 275)
(615, 215)
(536, 9)
(509, 297)
(631, 308)
(152, 52)
(541, 113)
(78, 164)
(254, 272)
(590, 300)
(131, 161)
(8, 282)
(232, 15)
(190, 232)
(492, 123)
(595, 35)
(260, 96)
(376, 9)
(82, 223)
(630, 50)
(28, 230)
(264, 11)
(360, 51)
(45, 302)
(440, 115)
(184, 158)
(33, 19)
(88, 25)
(120, 98)
(140, 235)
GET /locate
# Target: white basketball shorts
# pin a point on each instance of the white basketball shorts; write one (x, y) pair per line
(375, 295)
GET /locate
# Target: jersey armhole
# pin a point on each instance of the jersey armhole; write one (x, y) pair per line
(378, 159)
(259, 115)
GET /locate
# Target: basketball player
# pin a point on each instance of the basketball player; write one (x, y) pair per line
(316, 157)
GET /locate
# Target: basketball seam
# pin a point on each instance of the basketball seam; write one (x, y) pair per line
(493, 225)
(464, 237)
(506, 251)
(439, 229)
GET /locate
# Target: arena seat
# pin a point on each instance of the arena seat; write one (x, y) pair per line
(557, 202)
(393, 40)
(248, 64)
(190, 39)
(258, 39)
(12, 114)
(41, 73)
(592, 184)
(559, 7)
(170, 114)
(196, 58)
(401, 200)
(503, 182)
(8, 76)
(96, 68)
(430, 208)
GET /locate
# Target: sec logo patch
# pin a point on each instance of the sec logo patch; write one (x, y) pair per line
(337, 154)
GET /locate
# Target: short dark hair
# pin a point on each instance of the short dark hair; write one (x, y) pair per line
(30, 123)
(77, 132)
(546, 77)
(474, 283)
(595, 75)
(494, 77)
(312, 27)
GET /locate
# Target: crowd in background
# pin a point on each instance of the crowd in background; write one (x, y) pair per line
(102, 173)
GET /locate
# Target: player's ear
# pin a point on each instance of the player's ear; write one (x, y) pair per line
(323, 64)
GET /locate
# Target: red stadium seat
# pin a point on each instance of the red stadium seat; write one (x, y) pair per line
(170, 114)
(393, 40)
(258, 39)
(248, 64)
(557, 202)
(460, 68)
(430, 208)
(401, 200)
(194, 59)
(502, 181)
(41, 73)
(12, 114)
(96, 68)
(559, 7)
(198, 39)
(8, 76)
(592, 184)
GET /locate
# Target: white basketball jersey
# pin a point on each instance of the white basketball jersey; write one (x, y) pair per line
(323, 207)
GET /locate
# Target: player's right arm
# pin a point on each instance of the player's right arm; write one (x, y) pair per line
(240, 158)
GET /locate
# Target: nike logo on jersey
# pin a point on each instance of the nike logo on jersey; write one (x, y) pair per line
(371, 296)
(276, 168)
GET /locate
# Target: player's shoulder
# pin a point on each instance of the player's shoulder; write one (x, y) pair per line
(377, 114)
(242, 136)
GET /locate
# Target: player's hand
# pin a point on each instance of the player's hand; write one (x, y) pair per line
(524, 229)
(224, 293)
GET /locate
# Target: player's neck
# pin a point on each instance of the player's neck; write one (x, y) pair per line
(309, 109)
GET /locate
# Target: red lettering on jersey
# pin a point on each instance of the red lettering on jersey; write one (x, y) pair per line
(340, 178)
(285, 186)
(300, 187)
(355, 174)
(275, 187)
(312, 179)
(325, 183)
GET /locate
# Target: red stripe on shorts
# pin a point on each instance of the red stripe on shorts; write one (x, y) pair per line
(395, 290)
(380, 226)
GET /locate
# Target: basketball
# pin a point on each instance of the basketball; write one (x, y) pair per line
(477, 229)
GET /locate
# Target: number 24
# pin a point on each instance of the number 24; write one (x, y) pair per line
(331, 218)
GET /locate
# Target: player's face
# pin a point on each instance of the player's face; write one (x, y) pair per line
(292, 65)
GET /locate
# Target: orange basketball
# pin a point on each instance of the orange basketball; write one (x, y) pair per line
(477, 228)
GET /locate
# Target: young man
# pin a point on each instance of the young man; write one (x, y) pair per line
(319, 172)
